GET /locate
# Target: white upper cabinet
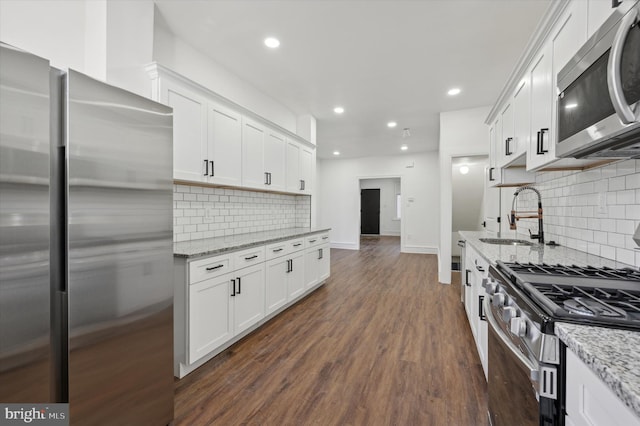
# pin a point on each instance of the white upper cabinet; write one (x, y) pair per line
(219, 143)
(541, 95)
(253, 137)
(294, 183)
(274, 160)
(505, 144)
(307, 160)
(521, 121)
(189, 130)
(225, 146)
(567, 36)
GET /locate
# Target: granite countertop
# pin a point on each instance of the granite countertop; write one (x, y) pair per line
(211, 246)
(537, 253)
(611, 354)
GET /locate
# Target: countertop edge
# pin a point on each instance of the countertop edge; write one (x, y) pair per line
(249, 244)
(618, 385)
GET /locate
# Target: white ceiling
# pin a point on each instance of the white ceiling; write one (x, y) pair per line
(381, 60)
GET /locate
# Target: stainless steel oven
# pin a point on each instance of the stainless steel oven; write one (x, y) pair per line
(526, 379)
(598, 105)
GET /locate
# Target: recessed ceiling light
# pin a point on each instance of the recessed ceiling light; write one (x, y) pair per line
(464, 170)
(454, 91)
(271, 42)
(404, 147)
(336, 152)
(338, 110)
(571, 106)
(392, 124)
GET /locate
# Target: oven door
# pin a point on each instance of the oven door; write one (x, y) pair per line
(513, 400)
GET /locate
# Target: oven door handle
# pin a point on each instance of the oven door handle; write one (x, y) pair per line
(614, 81)
(493, 323)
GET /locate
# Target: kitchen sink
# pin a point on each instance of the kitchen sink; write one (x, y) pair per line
(506, 241)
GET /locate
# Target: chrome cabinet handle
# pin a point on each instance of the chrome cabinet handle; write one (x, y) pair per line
(614, 82)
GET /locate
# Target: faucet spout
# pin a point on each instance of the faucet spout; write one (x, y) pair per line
(517, 215)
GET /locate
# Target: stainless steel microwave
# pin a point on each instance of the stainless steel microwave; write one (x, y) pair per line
(598, 105)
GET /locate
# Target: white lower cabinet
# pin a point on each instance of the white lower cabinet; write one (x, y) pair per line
(220, 299)
(248, 297)
(590, 402)
(476, 269)
(285, 280)
(276, 284)
(210, 315)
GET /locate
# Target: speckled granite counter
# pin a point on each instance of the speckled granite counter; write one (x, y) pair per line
(536, 253)
(211, 246)
(612, 354)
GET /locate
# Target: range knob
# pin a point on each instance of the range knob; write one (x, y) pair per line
(508, 313)
(497, 299)
(518, 326)
(489, 285)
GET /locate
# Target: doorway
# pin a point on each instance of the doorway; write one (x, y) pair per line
(467, 192)
(370, 212)
(380, 210)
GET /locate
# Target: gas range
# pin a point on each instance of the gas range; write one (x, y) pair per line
(596, 296)
(524, 302)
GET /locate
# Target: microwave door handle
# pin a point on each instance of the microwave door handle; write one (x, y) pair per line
(624, 111)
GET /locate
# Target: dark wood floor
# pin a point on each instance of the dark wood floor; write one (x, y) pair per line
(381, 343)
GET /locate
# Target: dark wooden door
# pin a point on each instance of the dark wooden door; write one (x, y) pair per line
(370, 211)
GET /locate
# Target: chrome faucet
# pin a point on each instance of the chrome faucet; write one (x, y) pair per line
(517, 215)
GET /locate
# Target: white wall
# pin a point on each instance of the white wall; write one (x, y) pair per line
(174, 53)
(389, 224)
(54, 30)
(338, 192)
(461, 133)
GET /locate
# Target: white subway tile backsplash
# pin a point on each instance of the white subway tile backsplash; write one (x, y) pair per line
(201, 212)
(596, 210)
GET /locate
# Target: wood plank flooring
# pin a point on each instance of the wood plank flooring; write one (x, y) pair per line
(381, 343)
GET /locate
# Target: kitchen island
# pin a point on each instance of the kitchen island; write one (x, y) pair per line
(610, 354)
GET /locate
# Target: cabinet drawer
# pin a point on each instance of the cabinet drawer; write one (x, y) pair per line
(316, 239)
(295, 245)
(209, 267)
(249, 257)
(275, 250)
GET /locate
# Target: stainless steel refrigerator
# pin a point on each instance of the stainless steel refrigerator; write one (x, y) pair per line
(86, 294)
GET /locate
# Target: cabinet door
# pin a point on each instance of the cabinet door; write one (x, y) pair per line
(541, 99)
(505, 144)
(253, 171)
(274, 160)
(491, 205)
(249, 298)
(296, 277)
(493, 157)
(210, 316)
(590, 401)
(311, 274)
(324, 262)
(467, 281)
(293, 167)
(482, 329)
(276, 284)
(521, 118)
(306, 169)
(189, 131)
(567, 36)
(224, 146)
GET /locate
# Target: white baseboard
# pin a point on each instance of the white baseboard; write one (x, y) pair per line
(345, 246)
(390, 233)
(419, 249)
